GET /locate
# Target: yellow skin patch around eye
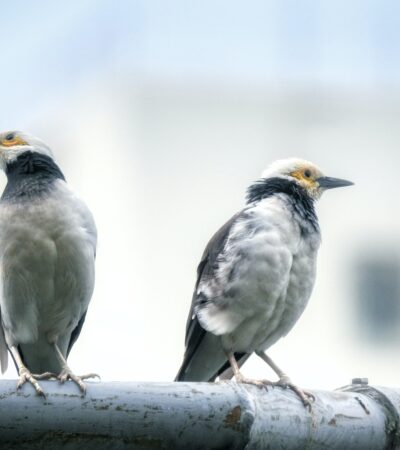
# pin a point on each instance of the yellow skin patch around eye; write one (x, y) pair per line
(300, 175)
(12, 142)
(309, 183)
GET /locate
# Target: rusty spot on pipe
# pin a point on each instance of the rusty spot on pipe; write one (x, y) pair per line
(232, 419)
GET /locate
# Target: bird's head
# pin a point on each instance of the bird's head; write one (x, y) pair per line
(15, 143)
(305, 174)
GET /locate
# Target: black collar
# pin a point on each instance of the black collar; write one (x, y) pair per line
(302, 204)
(29, 163)
(30, 174)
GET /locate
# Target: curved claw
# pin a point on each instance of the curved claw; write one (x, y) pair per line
(259, 383)
(305, 396)
(67, 374)
(26, 376)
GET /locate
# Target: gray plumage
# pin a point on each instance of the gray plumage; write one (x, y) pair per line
(256, 274)
(47, 252)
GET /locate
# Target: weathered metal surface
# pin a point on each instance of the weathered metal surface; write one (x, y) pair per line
(195, 416)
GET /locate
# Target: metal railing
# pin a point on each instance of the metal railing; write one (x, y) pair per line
(134, 415)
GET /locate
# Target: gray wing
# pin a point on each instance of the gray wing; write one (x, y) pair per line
(204, 357)
(91, 229)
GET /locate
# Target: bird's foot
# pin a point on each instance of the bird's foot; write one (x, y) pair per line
(305, 396)
(259, 383)
(26, 376)
(67, 374)
(45, 376)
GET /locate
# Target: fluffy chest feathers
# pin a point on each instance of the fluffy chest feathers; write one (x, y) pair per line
(52, 216)
(47, 248)
(263, 277)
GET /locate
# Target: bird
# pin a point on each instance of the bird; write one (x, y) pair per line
(47, 263)
(256, 276)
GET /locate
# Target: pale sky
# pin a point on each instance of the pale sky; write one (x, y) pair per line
(47, 50)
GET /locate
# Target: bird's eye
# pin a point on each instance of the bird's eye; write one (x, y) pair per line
(12, 139)
(307, 173)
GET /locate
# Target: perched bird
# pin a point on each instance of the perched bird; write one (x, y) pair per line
(47, 252)
(256, 276)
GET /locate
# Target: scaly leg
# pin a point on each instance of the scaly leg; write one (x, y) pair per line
(239, 377)
(285, 382)
(24, 374)
(67, 374)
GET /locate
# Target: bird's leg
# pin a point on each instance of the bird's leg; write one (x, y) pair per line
(284, 381)
(67, 374)
(239, 377)
(24, 374)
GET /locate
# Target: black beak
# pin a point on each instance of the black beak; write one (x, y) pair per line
(330, 183)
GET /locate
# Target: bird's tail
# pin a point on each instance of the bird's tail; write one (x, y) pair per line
(40, 356)
(204, 361)
(208, 361)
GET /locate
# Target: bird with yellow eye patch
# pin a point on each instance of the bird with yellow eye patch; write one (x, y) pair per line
(47, 252)
(256, 275)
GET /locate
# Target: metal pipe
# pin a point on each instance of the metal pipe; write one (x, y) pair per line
(134, 415)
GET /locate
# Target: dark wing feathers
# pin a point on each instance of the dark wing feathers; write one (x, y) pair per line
(76, 332)
(208, 264)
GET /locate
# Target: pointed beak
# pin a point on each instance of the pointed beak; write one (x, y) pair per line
(330, 183)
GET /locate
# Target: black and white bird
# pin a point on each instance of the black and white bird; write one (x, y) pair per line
(47, 253)
(256, 276)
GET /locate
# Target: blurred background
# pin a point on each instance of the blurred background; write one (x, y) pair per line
(161, 113)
